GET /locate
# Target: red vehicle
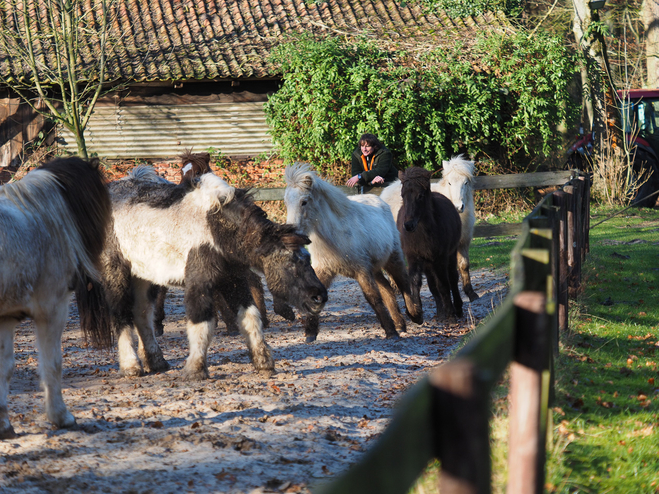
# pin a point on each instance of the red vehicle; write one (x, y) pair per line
(640, 120)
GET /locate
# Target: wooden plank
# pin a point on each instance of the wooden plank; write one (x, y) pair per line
(400, 454)
(541, 179)
(500, 230)
(516, 180)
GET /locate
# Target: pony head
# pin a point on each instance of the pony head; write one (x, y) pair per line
(288, 272)
(458, 174)
(416, 193)
(298, 197)
(193, 165)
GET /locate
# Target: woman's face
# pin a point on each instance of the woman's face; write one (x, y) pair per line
(367, 149)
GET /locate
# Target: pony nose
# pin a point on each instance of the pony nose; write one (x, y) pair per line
(460, 207)
(409, 226)
(320, 297)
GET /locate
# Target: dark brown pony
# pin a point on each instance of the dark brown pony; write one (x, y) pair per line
(430, 230)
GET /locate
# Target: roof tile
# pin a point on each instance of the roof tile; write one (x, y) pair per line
(229, 39)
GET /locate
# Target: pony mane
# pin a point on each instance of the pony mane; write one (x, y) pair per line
(215, 190)
(301, 176)
(67, 188)
(144, 173)
(417, 175)
(461, 166)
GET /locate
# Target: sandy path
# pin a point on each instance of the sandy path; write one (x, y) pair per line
(238, 431)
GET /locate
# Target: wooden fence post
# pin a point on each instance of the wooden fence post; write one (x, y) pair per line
(571, 226)
(529, 396)
(462, 433)
(560, 201)
(579, 223)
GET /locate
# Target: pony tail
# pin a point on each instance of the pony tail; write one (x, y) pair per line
(94, 313)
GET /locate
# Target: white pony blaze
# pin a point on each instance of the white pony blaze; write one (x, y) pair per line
(457, 185)
(53, 224)
(350, 236)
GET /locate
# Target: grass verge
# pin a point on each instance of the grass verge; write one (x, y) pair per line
(604, 438)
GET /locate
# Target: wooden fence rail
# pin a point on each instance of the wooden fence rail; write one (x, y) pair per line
(512, 181)
(446, 415)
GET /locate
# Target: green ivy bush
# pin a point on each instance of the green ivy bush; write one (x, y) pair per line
(465, 8)
(501, 98)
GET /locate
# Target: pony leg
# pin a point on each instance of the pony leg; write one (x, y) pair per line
(374, 298)
(200, 310)
(415, 281)
(159, 317)
(453, 284)
(148, 349)
(49, 343)
(463, 267)
(256, 289)
(6, 371)
(252, 331)
(389, 299)
(199, 337)
(227, 314)
(438, 282)
(240, 299)
(312, 321)
(396, 269)
(129, 362)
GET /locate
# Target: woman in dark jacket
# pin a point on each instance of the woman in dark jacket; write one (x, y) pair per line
(372, 163)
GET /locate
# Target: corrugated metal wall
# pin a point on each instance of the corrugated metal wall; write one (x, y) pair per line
(161, 131)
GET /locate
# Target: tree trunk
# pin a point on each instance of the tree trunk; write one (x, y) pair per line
(650, 14)
(604, 117)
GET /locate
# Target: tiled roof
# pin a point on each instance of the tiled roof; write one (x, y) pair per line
(163, 40)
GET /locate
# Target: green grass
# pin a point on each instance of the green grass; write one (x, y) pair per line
(604, 437)
(606, 397)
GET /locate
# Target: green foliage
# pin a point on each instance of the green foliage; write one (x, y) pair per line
(503, 96)
(465, 8)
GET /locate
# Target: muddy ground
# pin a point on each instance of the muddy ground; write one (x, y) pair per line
(238, 432)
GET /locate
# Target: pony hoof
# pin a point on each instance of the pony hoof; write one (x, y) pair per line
(7, 432)
(196, 375)
(233, 330)
(266, 372)
(131, 372)
(67, 422)
(159, 365)
(158, 330)
(473, 296)
(310, 339)
(392, 336)
(417, 319)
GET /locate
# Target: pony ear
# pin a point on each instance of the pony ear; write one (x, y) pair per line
(307, 181)
(401, 174)
(444, 164)
(293, 241)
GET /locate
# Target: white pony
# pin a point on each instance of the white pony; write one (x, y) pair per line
(53, 225)
(457, 185)
(354, 237)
